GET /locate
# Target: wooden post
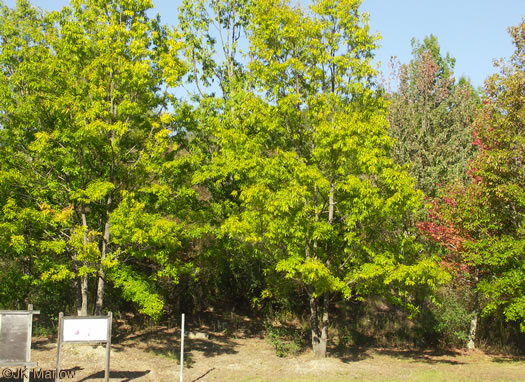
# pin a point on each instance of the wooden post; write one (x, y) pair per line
(108, 346)
(59, 344)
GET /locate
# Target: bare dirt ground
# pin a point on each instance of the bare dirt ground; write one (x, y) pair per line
(242, 355)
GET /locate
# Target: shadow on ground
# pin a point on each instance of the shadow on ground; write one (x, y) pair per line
(44, 344)
(203, 375)
(356, 354)
(426, 356)
(165, 342)
(509, 359)
(123, 376)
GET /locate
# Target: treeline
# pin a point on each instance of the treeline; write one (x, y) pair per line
(250, 157)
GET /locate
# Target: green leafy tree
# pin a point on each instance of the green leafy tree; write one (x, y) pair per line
(214, 33)
(482, 223)
(23, 45)
(85, 122)
(303, 139)
(430, 117)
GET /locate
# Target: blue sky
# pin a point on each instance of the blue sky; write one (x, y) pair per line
(472, 31)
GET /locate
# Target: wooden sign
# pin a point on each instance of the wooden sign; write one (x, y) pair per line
(84, 330)
(77, 329)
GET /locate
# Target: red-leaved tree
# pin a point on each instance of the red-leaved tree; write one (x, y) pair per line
(481, 225)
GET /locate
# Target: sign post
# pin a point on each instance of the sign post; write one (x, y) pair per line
(84, 330)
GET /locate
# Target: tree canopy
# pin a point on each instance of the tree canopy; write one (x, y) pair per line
(250, 156)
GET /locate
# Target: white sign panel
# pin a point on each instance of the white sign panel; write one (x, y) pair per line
(85, 329)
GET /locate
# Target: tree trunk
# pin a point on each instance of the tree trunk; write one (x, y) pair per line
(84, 279)
(471, 345)
(314, 324)
(78, 294)
(324, 327)
(319, 326)
(101, 273)
(99, 303)
(319, 305)
(76, 286)
(318, 312)
(84, 294)
(331, 203)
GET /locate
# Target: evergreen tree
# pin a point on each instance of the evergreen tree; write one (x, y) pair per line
(430, 118)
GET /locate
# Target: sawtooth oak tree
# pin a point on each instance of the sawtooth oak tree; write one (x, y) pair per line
(84, 127)
(303, 138)
(213, 33)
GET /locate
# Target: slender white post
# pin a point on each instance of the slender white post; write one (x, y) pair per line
(182, 349)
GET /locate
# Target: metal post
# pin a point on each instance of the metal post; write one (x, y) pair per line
(108, 346)
(27, 370)
(59, 344)
(182, 349)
